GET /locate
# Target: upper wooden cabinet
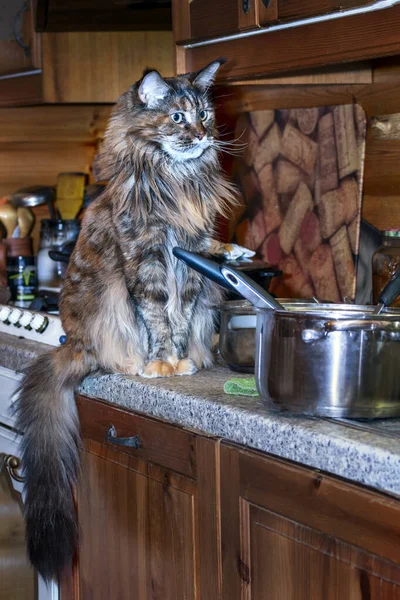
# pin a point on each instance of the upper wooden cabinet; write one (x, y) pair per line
(82, 67)
(19, 44)
(196, 20)
(288, 44)
(293, 9)
(102, 15)
(201, 19)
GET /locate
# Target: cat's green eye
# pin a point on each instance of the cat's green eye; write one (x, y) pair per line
(203, 114)
(177, 117)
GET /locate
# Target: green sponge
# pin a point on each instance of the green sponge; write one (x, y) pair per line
(245, 386)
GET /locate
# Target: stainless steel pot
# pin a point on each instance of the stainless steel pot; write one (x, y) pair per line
(328, 360)
(237, 332)
(332, 361)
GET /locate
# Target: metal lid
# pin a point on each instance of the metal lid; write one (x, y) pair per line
(32, 196)
(392, 233)
(311, 308)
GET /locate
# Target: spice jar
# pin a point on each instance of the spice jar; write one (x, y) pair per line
(385, 263)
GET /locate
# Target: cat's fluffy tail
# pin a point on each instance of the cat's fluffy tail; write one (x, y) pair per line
(46, 413)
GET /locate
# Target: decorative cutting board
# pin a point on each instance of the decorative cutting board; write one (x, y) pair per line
(301, 179)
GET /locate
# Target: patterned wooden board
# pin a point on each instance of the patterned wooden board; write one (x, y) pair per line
(301, 178)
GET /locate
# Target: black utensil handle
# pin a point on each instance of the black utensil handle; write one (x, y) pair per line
(207, 267)
(391, 290)
(131, 442)
(58, 256)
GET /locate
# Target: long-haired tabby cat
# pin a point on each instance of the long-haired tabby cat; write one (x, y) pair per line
(127, 304)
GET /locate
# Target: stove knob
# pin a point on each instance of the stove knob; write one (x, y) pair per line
(39, 323)
(15, 316)
(26, 319)
(5, 312)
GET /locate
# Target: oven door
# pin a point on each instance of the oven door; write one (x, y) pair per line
(18, 581)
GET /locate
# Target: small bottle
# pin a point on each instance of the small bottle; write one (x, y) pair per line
(21, 272)
(385, 263)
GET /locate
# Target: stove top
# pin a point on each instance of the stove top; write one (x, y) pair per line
(31, 324)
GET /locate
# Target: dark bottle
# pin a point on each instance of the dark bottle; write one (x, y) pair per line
(22, 281)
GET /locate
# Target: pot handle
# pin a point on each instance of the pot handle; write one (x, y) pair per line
(362, 325)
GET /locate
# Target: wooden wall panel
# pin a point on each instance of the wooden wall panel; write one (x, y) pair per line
(39, 142)
(82, 124)
(338, 74)
(30, 164)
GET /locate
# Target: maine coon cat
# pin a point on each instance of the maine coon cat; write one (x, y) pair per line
(127, 304)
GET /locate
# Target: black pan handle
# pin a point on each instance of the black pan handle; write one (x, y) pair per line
(205, 266)
(391, 290)
(59, 256)
(131, 442)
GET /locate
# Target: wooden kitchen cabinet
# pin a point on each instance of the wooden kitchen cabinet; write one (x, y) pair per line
(78, 67)
(20, 55)
(202, 19)
(184, 517)
(292, 9)
(314, 46)
(89, 67)
(290, 533)
(147, 516)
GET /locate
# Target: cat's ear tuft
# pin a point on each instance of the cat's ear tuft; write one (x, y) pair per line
(152, 88)
(206, 76)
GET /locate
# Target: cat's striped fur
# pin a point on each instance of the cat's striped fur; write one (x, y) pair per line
(127, 304)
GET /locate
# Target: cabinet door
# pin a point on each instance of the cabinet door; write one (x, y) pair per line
(289, 533)
(147, 531)
(201, 19)
(19, 44)
(353, 38)
(137, 530)
(293, 9)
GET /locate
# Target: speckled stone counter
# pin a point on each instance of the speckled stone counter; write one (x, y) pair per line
(368, 453)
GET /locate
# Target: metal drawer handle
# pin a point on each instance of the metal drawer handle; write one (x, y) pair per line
(131, 442)
(16, 25)
(12, 464)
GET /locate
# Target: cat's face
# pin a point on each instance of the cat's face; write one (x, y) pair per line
(176, 114)
(188, 128)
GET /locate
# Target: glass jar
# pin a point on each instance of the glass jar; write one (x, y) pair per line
(54, 235)
(385, 263)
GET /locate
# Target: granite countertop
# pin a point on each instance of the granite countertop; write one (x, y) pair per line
(367, 452)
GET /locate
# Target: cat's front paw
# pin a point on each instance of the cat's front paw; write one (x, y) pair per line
(186, 367)
(157, 368)
(230, 251)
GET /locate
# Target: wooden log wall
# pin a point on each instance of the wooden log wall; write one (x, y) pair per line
(376, 90)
